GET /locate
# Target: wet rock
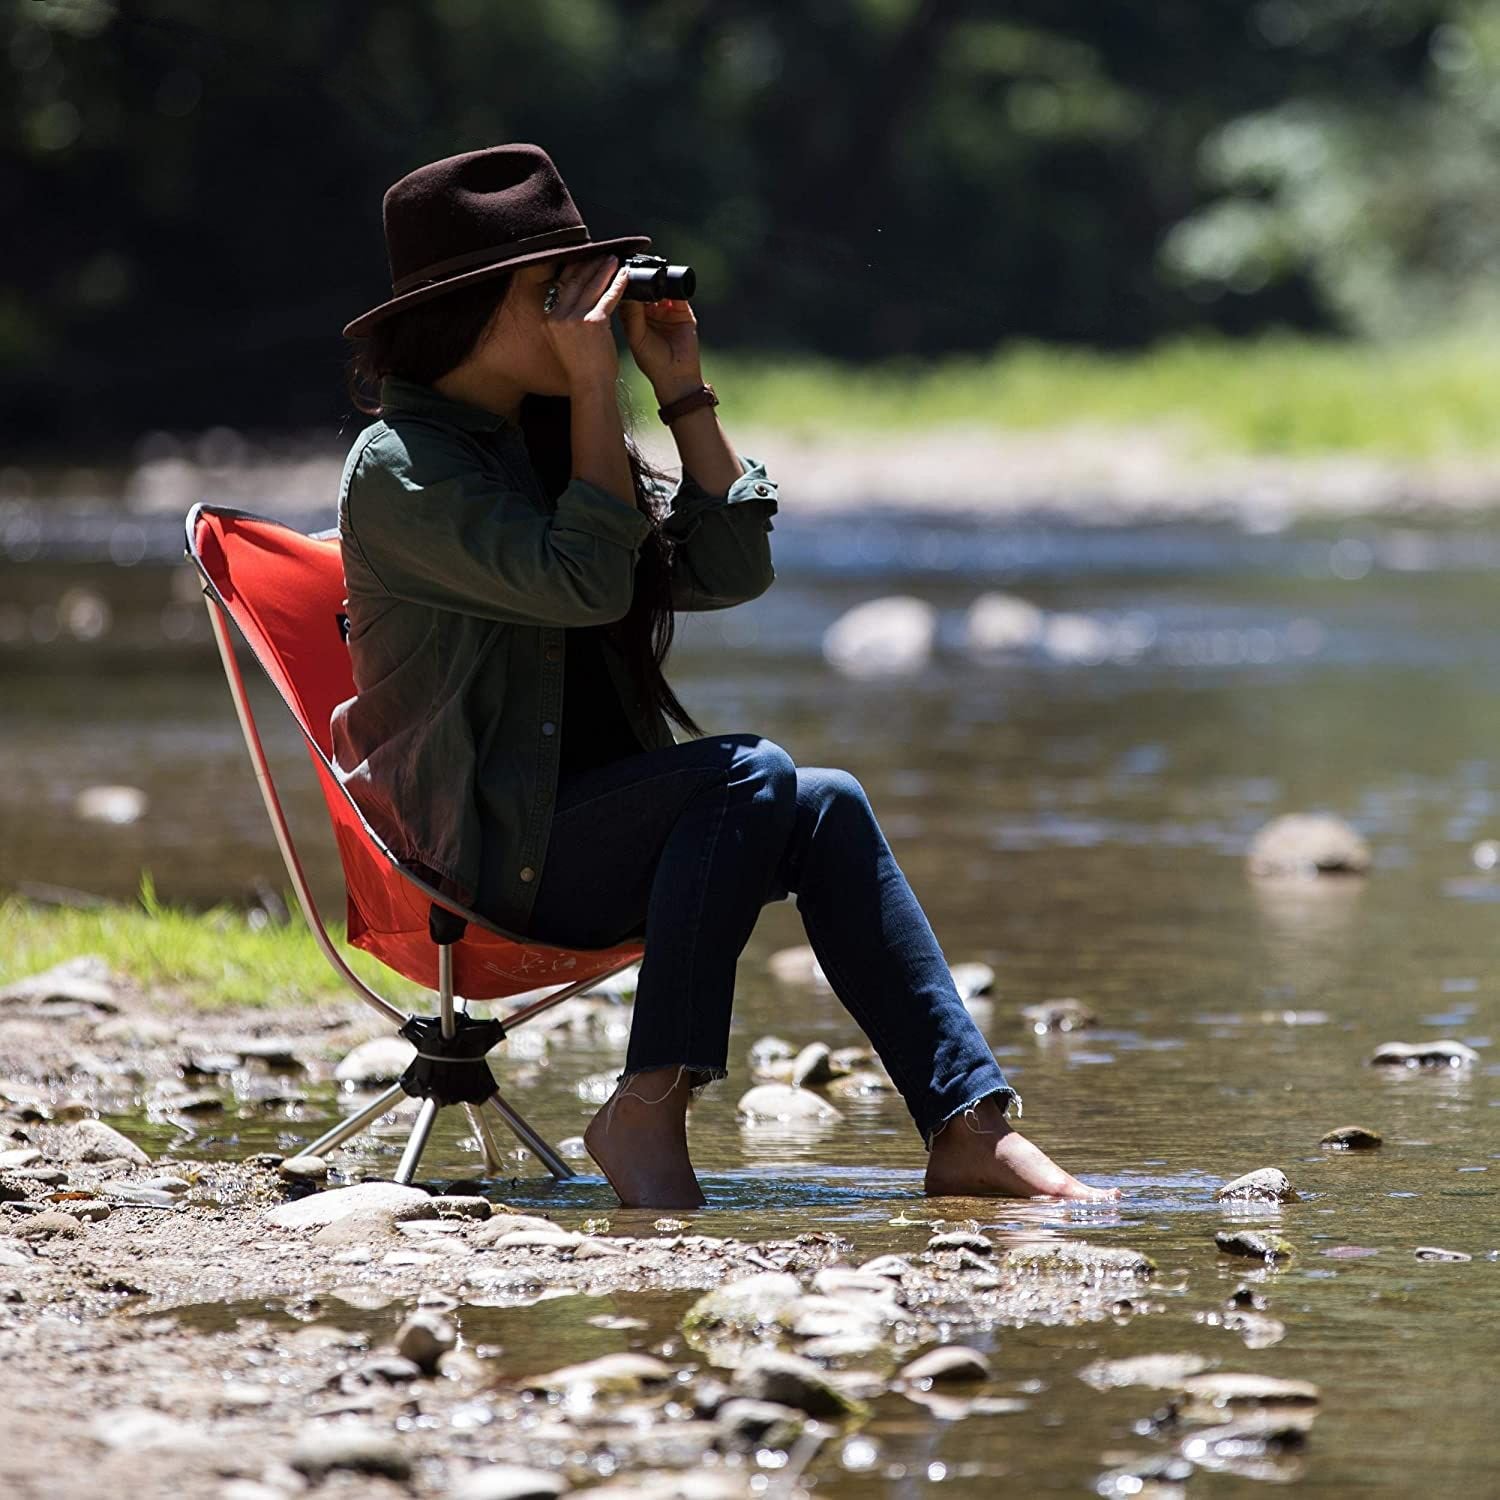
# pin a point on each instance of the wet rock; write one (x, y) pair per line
(972, 979)
(382, 1369)
(273, 1051)
(771, 1052)
(537, 1239)
(951, 1363)
(862, 1084)
(42, 1176)
(1264, 1185)
(379, 1200)
(304, 1168)
(609, 1375)
(88, 1211)
(1435, 1252)
(135, 1031)
(463, 1206)
(798, 965)
(596, 1249)
(1251, 1243)
(21, 1156)
(745, 1307)
(93, 1140)
(763, 1424)
(507, 1223)
(349, 1446)
(139, 1195)
(962, 1239)
(1352, 1138)
(131, 1429)
(111, 804)
(381, 1060)
(508, 1482)
(73, 987)
(853, 1059)
(191, 1102)
(1444, 1053)
(1234, 1389)
(882, 637)
(1067, 1014)
(790, 1380)
(1159, 1476)
(211, 1064)
(1002, 622)
(811, 1066)
(780, 1102)
(424, 1338)
(1256, 1329)
(843, 1281)
(892, 1267)
(1160, 1372)
(1304, 845)
(819, 1317)
(1077, 1260)
(47, 1225)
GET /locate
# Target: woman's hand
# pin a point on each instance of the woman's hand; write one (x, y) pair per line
(578, 326)
(663, 337)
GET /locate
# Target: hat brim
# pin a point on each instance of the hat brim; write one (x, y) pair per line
(627, 244)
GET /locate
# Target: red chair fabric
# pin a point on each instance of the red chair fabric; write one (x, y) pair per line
(284, 591)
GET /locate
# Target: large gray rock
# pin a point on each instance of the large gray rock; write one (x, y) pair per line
(93, 1140)
(379, 1200)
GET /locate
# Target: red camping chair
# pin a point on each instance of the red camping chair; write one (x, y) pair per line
(284, 592)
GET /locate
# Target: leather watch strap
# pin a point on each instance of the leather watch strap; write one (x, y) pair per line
(705, 395)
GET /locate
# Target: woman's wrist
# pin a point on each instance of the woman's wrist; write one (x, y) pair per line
(675, 387)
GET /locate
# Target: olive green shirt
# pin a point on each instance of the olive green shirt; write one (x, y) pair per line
(463, 580)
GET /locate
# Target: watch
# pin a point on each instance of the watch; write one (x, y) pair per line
(705, 395)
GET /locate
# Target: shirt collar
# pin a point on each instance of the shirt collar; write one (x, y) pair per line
(423, 400)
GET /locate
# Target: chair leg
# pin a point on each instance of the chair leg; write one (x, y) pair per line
(494, 1164)
(530, 1139)
(356, 1122)
(416, 1142)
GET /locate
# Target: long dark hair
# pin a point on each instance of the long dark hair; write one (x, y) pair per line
(423, 344)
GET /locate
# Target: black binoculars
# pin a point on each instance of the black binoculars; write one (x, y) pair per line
(648, 278)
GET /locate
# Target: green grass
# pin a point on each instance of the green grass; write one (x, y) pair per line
(211, 959)
(1279, 394)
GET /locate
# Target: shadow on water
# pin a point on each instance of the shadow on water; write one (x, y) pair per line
(1080, 825)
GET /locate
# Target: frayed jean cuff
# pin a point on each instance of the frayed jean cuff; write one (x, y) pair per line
(1008, 1097)
(699, 1077)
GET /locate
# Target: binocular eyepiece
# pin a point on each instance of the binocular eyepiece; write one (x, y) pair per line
(648, 278)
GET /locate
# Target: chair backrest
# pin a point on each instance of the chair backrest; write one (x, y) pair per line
(284, 591)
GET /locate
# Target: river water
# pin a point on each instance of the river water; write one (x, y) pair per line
(1077, 818)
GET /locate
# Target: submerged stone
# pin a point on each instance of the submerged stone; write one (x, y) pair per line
(1161, 1372)
(1306, 845)
(1257, 1246)
(1436, 1252)
(1076, 1260)
(779, 1101)
(950, 1363)
(1058, 1015)
(766, 1424)
(1232, 1388)
(1264, 1185)
(1353, 1138)
(1444, 1053)
(790, 1380)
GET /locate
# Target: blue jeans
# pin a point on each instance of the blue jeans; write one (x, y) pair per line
(683, 846)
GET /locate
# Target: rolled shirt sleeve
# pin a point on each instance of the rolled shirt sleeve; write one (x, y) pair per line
(436, 530)
(723, 553)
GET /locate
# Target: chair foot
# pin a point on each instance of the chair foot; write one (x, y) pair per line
(416, 1142)
(356, 1122)
(494, 1163)
(530, 1139)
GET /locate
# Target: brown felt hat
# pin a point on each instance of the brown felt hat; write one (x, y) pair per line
(469, 216)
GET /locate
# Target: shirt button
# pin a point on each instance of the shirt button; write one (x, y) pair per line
(762, 489)
(548, 727)
(528, 873)
(553, 653)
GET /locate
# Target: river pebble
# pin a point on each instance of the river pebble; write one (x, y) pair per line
(1077, 1260)
(961, 1239)
(424, 1338)
(1444, 1053)
(347, 1445)
(72, 987)
(950, 1363)
(779, 1101)
(882, 637)
(1248, 1242)
(1159, 1372)
(1436, 1252)
(811, 1066)
(1232, 1388)
(1352, 1138)
(798, 965)
(1304, 845)
(790, 1380)
(305, 1168)
(766, 1424)
(47, 1225)
(1264, 1185)
(621, 1374)
(746, 1306)
(508, 1482)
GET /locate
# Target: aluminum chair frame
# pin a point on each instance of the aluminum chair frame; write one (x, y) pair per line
(450, 1017)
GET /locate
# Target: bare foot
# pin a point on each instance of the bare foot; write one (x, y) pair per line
(978, 1154)
(639, 1140)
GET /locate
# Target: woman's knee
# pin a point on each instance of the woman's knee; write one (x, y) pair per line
(831, 789)
(772, 767)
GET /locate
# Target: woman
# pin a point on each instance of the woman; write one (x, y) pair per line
(512, 577)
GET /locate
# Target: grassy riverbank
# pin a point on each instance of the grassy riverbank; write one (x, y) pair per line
(1275, 395)
(211, 959)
